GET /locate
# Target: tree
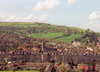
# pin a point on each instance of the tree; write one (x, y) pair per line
(19, 48)
(75, 33)
(88, 29)
(82, 32)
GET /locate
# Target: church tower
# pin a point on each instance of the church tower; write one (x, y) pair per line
(43, 46)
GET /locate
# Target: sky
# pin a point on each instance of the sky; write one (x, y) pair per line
(76, 13)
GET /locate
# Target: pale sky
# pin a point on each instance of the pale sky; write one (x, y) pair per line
(77, 13)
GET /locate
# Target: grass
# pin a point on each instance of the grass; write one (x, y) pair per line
(77, 29)
(68, 39)
(25, 24)
(19, 71)
(46, 35)
(62, 28)
(5, 24)
(21, 24)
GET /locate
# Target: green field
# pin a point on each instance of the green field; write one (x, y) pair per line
(19, 24)
(23, 24)
(19, 71)
(46, 35)
(42, 30)
(69, 38)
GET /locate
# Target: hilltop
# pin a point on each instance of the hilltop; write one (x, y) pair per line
(45, 31)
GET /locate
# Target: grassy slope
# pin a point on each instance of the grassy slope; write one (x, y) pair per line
(69, 38)
(79, 29)
(49, 33)
(23, 24)
(46, 35)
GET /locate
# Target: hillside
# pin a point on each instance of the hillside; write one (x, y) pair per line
(43, 31)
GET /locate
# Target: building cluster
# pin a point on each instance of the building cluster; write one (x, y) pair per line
(30, 56)
(25, 58)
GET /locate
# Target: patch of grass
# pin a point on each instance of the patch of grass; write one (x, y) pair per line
(68, 39)
(20, 24)
(46, 35)
(5, 24)
(62, 28)
(25, 24)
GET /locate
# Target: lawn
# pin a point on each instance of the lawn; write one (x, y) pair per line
(19, 71)
(68, 39)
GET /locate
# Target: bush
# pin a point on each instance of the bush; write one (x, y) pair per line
(68, 71)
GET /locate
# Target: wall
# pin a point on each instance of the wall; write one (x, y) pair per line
(49, 57)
